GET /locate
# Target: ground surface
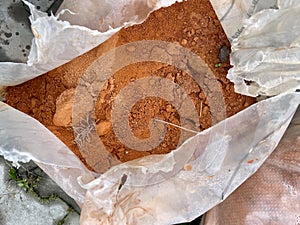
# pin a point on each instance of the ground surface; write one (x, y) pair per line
(15, 31)
(45, 203)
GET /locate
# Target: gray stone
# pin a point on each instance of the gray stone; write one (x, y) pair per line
(223, 54)
(15, 31)
(72, 219)
(19, 207)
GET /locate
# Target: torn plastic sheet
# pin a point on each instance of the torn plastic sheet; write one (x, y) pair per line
(233, 13)
(273, 190)
(266, 55)
(215, 163)
(23, 138)
(56, 42)
(218, 164)
(104, 13)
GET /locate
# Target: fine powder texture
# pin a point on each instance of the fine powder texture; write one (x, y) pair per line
(192, 24)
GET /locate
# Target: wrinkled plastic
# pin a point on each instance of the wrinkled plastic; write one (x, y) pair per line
(265, 57)
(233, 13)
(23, 138)
(104, 13)
(270, 196)
(56, 42)
(221, 158)
(218, 160)
(265, 61)
(161, 189)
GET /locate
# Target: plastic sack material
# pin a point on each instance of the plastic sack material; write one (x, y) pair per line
(23, 138)
(56, 42)
(209, 167)
(203, 171)
(159, 189)
(266, 59)
(73, 40)
(233, 13)
(104, 14)
(266, 55)
(270, 196)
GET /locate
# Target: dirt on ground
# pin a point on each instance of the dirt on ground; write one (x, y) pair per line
(193, 24)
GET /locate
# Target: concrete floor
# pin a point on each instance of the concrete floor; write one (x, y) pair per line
(15, 32)
(47, 205)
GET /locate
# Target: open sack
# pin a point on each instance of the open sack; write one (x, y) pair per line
(271, 194)
(206, 168)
